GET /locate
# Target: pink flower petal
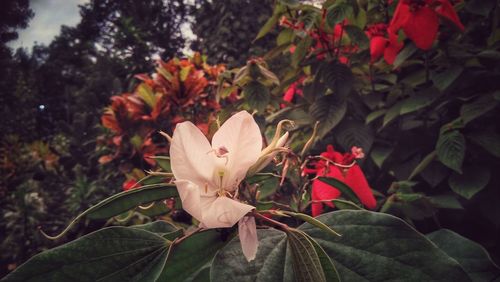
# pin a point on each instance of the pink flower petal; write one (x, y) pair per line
(247, 231)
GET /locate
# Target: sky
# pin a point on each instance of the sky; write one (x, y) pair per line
(51, 14)
(46, 24)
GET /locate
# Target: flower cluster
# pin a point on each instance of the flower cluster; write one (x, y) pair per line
(344, 168)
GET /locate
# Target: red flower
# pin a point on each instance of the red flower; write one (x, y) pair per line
(130, 184)
(419, 19)
(383, 42)
(293, 90)
(344, 168)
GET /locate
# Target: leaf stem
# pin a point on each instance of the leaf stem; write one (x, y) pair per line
(280, 225)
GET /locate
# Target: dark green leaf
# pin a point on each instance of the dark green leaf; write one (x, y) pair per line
(337, 13)
(446, 78)
(124, 201)
(357, 36)
(301, 51)
(489, 140)
(110, 254)
(306, 263)
(406, 53)
(472, 257)
(256, 95)
(313, 221)
(329, 269)
(423, 164)
(352, 133)
(290, 3)
(375, 115)
(392, 113)
(191, 255)
(470, 182)
(450, 149)
(268, 184)
(380, 247)
(270, 264)
(447, 201)
(346, 191)
(336, 76)
(477, 108)
(329, 111)
(418, 101)
(379, 154)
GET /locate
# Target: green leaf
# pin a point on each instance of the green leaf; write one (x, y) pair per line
(473, 258)
(381, 247)
(473, 180)
(163, 162)
(327, 265)
(450, 149)
(268, 26)
(162, 228)
(354, 133)
(306, 263)
(191, 255)
(477, 108)
(110, 254)
(419, 101)
(489, 140)
(423, 164)
(357, 36)
(345, 205)
(346, 191)
(446, 201)
(392, 113)
(373, 247)
(375, 115)
(146, 93)
(336, 76)
(268, 184)
(123, 202)
(406, 53)
(379, 154)
(313, 221)
(446, 78)
(301, 51)
(256, 95)
(270, 264)
(285, 37)
(337, 13)
(329, 111)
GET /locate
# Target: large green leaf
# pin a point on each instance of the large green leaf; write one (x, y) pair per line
(445, 79)
(381, 247)
(188, 257)
(123, 202)
(306, 262)
(336, 76)
(357, 36)
(329, 111)
(269, 265)
(257, 95)
(472, 257)
(373, 247)
(110, 254)
(450, 149)
(470, 182)
(354, 133)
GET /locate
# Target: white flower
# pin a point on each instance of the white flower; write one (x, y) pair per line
(207, 176)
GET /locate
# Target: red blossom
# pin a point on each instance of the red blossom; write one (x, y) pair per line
(342, 167)
(383, 43)
(420, 20)
(130, 184)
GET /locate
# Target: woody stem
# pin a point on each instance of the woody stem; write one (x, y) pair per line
(280, 225)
